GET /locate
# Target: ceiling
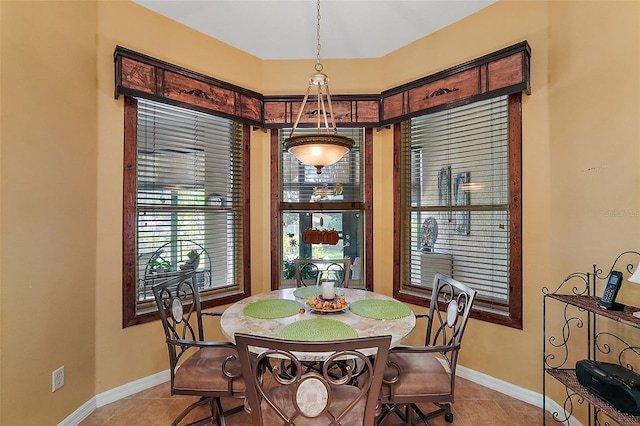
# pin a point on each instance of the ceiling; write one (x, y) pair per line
(349, 29)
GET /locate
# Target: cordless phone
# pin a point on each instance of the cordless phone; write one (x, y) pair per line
(610, 291)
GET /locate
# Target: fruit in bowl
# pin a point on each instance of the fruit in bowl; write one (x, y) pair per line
(320, 304)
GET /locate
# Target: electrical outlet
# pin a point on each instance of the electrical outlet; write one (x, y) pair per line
(57, 379)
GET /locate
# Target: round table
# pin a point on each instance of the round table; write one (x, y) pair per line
(234, 320)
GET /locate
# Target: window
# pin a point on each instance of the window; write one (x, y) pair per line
(185, 204)
(332, 200)
(460, 209)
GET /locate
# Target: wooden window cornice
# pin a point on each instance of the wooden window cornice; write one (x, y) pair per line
(499, 73)
(502, 72)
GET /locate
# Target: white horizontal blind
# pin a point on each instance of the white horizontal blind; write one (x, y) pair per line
(300, 180)
(459, 183)
(189, 195)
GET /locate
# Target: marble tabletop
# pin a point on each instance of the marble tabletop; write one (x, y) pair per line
(234, 320)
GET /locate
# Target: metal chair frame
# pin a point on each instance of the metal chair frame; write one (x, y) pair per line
(178, 303)
(306, 270)
(451, 303)
(276, 380)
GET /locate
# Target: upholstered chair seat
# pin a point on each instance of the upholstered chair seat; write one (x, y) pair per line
(416, 368)
(203, 371)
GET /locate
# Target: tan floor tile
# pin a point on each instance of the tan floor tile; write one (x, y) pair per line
(102, 414)
(475, 406)
(521, 413)
(483, 412)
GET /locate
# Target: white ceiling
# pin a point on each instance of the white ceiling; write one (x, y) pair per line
(286, 29)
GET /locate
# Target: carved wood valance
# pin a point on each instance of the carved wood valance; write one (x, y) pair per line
(503, 72)
(500, 73)
(150, 78)
(349, 111)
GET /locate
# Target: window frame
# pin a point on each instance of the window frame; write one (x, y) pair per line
(400, 271)
(277, 206)
(129, 225)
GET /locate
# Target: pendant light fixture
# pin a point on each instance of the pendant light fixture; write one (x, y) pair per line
(322, 148)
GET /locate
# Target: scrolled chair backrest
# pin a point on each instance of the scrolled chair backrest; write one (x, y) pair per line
(283, 389)
(307, 271)
(178, 304)
(451, 303)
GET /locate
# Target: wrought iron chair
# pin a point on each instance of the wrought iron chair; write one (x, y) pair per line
(426, 374)
(307, 270)
(295, 396)
(210, 370)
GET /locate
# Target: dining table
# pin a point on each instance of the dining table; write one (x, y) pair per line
(286, 314)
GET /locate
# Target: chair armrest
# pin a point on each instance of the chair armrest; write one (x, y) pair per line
(213, 314)
(424, 349)
(205, 344)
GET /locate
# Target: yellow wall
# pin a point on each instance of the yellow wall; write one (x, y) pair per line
(61, 176)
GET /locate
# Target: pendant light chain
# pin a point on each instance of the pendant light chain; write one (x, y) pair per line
(318, 64)
(321, 149)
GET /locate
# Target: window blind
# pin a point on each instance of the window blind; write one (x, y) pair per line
(189, 195)
(457, 186)
(301, 183)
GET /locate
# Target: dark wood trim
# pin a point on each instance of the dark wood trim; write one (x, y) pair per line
(246, 214)
(139, 75)
(366, 206)
(349, 111)
(499, 73)
(515, 209)
(129, 192)
(274, 208)
(338, 205)
(368, 209)
(397, 209)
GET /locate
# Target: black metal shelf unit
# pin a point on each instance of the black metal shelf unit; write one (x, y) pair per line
(578, 302)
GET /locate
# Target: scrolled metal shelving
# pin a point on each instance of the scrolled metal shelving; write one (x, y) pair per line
(580, 313)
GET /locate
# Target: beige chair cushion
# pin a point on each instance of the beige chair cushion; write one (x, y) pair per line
(341, 396)
(420, 374)
(202, 371)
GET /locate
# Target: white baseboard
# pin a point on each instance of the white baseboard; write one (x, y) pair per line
(136, 386)
(513, 391)
(113, 395)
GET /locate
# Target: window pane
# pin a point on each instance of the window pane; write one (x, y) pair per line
(350, 230)
(302, 185)
(459, 159)
(189, 198)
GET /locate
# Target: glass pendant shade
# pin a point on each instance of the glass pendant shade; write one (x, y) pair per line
(319, 150)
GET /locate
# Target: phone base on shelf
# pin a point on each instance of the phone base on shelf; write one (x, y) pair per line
(615, 306)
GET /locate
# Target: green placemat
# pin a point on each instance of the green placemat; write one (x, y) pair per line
(318, 329)
(379, 309)
(272, 308)
(304, 292)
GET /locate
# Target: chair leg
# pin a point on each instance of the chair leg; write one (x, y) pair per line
(202, 401)
(407, 416)
(219, 414)
(216, 411)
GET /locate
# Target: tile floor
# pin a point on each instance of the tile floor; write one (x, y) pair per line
(475, 406)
